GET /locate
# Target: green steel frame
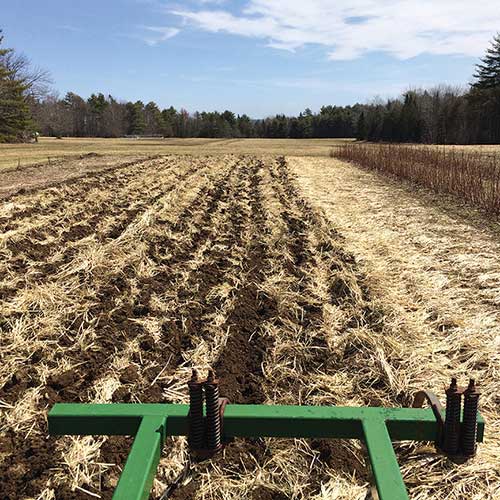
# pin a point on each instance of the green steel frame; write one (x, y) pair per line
(152, 423)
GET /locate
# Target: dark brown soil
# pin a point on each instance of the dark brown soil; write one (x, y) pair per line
(41, 176)
(221, 218)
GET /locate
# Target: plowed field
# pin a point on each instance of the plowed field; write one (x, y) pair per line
(114, 285)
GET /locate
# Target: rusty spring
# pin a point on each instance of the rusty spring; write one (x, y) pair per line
(197, 426)
(460, 438)
(214, 432)
(451, 442)
(469, 426)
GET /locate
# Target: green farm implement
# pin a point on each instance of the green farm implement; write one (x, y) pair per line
(210, 421)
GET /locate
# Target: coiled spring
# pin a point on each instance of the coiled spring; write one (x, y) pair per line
(214, 431)
(197, 426)
(451, 442)
(469, 425)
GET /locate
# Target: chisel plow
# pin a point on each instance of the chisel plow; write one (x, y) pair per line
(210, 422)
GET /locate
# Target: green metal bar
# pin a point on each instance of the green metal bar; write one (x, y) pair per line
(250, 420)
(151, 423)
(385, 467)
(140, 469)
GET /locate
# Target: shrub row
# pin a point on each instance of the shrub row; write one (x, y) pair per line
(470, 175)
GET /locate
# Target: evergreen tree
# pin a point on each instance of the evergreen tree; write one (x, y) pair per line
(410, 126)
(153, 119)
(296, 128)
(245, 126)
(307, 121)
(135, 118)
(484, 97)
(15, 120)
(488, 73)
(361, 131)
(76, 108)
(97, 104)
(168, 118)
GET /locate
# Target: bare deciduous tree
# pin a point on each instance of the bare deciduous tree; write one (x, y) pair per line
(36, 79)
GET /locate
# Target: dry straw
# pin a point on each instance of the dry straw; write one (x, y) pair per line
(470, 175)
(208, 262)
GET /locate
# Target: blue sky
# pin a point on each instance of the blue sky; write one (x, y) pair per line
(258, 57)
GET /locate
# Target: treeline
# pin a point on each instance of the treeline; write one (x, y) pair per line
(105, 116)
(443, 115)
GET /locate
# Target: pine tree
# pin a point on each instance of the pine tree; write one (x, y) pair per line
(135, 118)
(154, 122)
(97, 105)
(14, 111)
(484, 97)
(488, 73)
(361, 131)
(410, 122)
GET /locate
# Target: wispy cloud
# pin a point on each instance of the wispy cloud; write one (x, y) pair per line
(365, 87)
(157, 34)
(69, 27)
(349, 29)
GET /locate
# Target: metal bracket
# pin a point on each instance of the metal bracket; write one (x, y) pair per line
(457, 427)
(437, 410)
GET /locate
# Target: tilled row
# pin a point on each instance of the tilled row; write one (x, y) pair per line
(193, 295)
(297, 278)
(103, 290)
(224, 266)
(24, 206)
(81, 211)
(178, 268)
(111, 317)
(240, 263)
(325, 295)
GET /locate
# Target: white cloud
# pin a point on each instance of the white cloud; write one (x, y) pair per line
(158, 34)
(71, 28)
(387, 87)
(350, 28)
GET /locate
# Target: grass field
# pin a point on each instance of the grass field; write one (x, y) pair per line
(300, 279)
(51, 149)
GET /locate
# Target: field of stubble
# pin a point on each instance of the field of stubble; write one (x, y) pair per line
(115, 284)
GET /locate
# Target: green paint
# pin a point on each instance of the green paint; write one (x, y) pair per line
(151, 423)
(390, 485)
(139, 471)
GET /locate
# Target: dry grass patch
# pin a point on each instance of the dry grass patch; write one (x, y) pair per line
(469, 175)
(51, 150)
(434, 268)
